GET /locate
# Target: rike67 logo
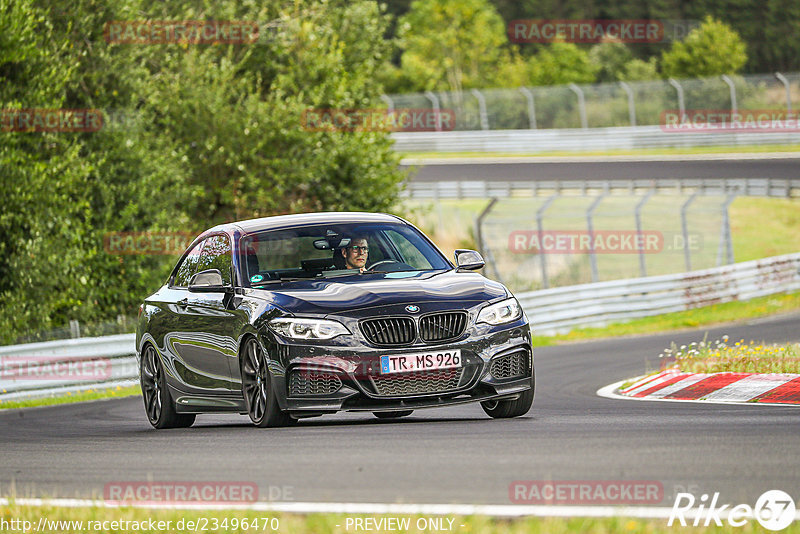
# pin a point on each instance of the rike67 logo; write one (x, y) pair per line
(774, 510)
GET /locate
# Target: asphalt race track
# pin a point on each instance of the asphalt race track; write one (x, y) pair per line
(587, 168)
(453, 455)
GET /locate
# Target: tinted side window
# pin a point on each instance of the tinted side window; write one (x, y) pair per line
(188, 267)
(217, 255)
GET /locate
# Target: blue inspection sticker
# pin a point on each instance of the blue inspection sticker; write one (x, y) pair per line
(256, 278)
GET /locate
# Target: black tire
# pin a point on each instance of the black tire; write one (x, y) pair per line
(259, 397)
(158, 403)
(392, 415)
(511, 408)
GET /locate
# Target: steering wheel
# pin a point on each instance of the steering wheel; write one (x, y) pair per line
(382, 262)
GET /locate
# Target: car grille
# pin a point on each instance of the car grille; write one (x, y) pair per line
(442, 326)
(510, 366)
(303, 383)
(389, 331)
(417, 383)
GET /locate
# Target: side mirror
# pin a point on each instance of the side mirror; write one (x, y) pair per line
(208, 281)
(469, 260)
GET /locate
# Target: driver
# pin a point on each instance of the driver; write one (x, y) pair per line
(355, 254)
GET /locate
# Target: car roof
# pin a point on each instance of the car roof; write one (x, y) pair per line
(298, 219)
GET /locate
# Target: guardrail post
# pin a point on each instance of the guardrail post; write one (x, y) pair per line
(590, 227)
(482, 109)
(687, 255)
(727, 79)
(581, 105)
(540, 231)
(631, 103)
(435, 104)
(681, 106)
(74, 328)
(638, 216)
(389, 102)
(531, 107)
(781, 78)
(726, 242)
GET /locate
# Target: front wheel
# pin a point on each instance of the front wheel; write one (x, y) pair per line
(259, 396)
(157, 401)
(511, 408)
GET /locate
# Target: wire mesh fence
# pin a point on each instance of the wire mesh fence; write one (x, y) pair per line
(606, 104)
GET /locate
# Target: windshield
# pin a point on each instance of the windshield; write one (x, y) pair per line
(336, 250)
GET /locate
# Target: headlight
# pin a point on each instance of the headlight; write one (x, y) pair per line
(307, 328)
(501, 312)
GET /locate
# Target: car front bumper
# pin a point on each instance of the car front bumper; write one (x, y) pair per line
(354, 379)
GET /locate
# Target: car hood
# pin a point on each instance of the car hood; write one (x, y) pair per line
(341, 294)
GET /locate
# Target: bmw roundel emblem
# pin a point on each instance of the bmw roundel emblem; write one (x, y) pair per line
(411, 308)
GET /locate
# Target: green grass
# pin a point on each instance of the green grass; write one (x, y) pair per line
(88, 395)
(763, 227)
(337, 523)
(723, 356)
(754, 149)
(710, 315)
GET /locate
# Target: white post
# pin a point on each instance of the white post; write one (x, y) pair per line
(631, 103)
(681, 107)
(482, 107)
(435, 103)
(727, 79)
(788, 89)
(531, 108)
(581, 104)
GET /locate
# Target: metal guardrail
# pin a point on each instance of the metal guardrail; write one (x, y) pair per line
(561, 309)
(550, 311)
(760, 187)
(41, 369)
(579, 140)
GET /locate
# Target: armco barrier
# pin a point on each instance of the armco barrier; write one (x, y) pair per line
(579, 140)
(550, 310)
(564, 308)
(754, 187)
(39, 369)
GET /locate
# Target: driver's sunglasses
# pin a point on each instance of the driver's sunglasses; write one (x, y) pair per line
(359, 248)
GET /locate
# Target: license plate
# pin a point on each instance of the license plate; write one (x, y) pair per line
(423, 361)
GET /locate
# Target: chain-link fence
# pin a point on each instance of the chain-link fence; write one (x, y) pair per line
(606, 104)
(561, 240)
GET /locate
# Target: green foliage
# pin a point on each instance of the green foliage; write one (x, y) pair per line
(712, 49)
(194, 135)
(453, 44)
(611, 59)
(639, 70)
(560, 63)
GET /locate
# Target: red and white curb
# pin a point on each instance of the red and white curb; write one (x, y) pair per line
(675, 385)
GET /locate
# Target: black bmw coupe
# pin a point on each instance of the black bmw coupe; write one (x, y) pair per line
(298, 316)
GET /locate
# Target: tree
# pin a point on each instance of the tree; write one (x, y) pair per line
(560, 63)
(194, 135)
(610, 59)
(712, 49)
(453, 44)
